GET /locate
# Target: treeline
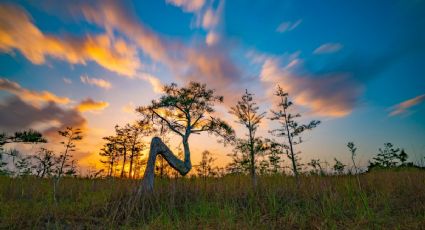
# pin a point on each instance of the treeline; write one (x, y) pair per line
(124, 154)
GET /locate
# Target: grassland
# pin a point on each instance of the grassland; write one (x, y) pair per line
(386, 200)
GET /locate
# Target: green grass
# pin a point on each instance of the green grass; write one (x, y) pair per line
(388, 200)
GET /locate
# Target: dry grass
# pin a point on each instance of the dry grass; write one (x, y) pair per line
(388, 200)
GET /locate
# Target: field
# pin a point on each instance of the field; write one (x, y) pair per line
(385, 200)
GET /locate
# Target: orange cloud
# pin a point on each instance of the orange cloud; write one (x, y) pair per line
(17, 31)
(154, 81)
(29, 95)
(91, 105)
(405, 105)
(96, 81)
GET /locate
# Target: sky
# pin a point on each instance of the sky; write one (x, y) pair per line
(357, 66)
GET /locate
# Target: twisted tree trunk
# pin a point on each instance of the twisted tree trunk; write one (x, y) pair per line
(158, 147)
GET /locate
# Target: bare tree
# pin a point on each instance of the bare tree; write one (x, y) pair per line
(246, 112)
(183, 111)
(289, 127)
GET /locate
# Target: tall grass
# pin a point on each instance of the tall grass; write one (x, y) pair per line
(387, 199)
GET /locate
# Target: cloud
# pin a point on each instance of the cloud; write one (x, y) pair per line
(67, 80)
(129, 108)
(188, 5)
(154, 81)
(16, 114)
(29, 95)
(96, 82)
(91, 105)
(17, 32)
(208, 64)
(330, 95)
(404, 106)
(288, 26)
(328, 48)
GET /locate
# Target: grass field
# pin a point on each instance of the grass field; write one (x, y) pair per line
(386, 200)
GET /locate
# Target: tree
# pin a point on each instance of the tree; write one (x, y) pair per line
(23, 165)
(44, 163)
(387, 157)
(338, 167)
(182, 111)
(246, 112)
(317, 167)
(109, 152)
(25, 137)
(402, 157)
(289, 129)
(64, 164)
(352, 148)
(205, 168)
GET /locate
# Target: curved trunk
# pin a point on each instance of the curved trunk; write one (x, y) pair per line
(158, 147)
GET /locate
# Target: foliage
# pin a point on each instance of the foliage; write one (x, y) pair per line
(338, 167)
(388, 157)
(290, 129)
(246, 113)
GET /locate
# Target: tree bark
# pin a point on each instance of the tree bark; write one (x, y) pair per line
(158, 147)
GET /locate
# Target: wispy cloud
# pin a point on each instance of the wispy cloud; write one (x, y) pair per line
(314, 92)
(96, 82)
(288, 26)
(328, 48)
(154, 81)
(129, 108)
(67, 80)
(188, 5)
(17, 32)
(404, 106)
(89, 104)
(30, 95)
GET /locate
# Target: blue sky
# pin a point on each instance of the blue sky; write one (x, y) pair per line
(355, 65)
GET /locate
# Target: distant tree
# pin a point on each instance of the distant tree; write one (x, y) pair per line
(25, 137)
(274, 150)
(402, 157)
(338, 167)
(64, 164)
(387, 157)
(352, 148)
(205, 167)
(182, 111)
(246, 112)
(289, 129)
(44, 162)
(317, 167)
(23, 165)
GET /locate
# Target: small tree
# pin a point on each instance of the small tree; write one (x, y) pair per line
(289, 129)
(387, 157)
(110, 156)
(23, 165)
(25, 137)
(205, 167)
(44, 163)
(182, 111)
(402, 157)
(317, 167)
(338, 167)
(64, 163)
(246, 112)
(352, 148)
